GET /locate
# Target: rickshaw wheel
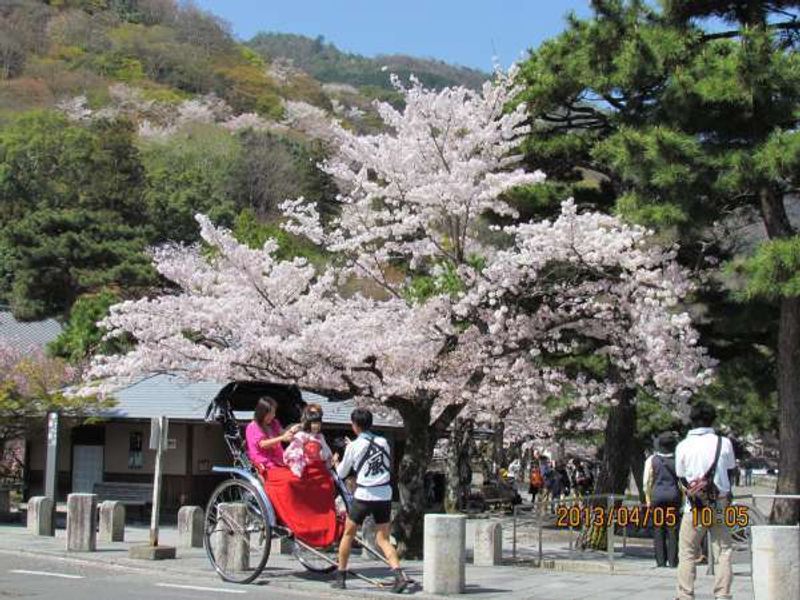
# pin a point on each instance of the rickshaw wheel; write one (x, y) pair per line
(237, 538)
(310, 560)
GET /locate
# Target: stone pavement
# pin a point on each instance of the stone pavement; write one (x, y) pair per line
(633, 577)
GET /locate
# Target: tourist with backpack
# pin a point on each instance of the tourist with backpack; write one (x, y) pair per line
(663, 495)
(702, 462)
(369, 457)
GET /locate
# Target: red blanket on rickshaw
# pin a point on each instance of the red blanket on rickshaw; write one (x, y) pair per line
(306, 505)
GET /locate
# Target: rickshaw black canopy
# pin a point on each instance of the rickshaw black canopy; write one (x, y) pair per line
(242, 396)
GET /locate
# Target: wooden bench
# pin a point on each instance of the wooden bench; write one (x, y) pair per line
(498, 497)
(130, 494)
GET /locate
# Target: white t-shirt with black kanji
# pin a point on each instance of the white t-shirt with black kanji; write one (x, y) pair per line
(374, 478)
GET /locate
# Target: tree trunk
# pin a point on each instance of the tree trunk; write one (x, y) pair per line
(773, 211)
(615, 466)
(788, 511)
(618, 447)
(408, 523)
(637, 466)
(459, 467)
(498, 455)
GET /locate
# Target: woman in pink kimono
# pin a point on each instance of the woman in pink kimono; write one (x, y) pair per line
(265, 437)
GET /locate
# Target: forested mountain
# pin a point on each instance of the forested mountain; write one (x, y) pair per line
(121, 119)
(326, 63)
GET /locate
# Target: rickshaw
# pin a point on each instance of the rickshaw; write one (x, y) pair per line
(240, 520)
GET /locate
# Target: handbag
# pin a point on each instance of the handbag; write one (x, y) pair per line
(703, 492)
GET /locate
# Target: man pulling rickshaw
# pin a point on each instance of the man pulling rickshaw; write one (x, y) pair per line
(293, 493)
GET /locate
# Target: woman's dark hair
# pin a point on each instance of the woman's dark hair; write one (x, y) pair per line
(702, 415)
(311, 414)
(265, 405)
(362, 418)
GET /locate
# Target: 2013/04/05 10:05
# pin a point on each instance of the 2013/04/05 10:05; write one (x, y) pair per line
(645, 516)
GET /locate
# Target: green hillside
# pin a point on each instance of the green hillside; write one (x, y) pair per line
(326, 63)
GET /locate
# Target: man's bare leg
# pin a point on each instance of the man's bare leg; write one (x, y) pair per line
(389, 551)
(401, 580)
(345, 545)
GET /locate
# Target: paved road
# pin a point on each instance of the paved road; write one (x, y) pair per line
(110, 574)
(56, 579)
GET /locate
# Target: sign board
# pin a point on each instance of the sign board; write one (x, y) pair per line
(157, 432)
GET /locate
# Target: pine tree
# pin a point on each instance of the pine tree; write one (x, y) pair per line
(688, 127)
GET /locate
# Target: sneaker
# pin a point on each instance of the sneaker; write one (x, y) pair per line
(341, 581)
(401, 581)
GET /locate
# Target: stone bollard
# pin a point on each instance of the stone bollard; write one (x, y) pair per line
(281, 546)
(368, 534)
(776, 562)
(444, 554)
(82, 522)
(190, 527)
(488, 547)
(40, 516)
(231, 546)
(112, 521)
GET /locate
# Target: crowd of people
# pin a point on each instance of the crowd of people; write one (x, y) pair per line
(691, 480)
(550, 480)
(681, 478)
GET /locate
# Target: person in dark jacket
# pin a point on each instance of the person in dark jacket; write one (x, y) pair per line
(663, 494)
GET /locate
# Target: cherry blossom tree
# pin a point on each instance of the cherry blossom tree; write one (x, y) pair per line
(444, 321)
(31, 385)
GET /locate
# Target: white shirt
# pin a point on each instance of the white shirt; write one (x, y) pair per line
(375, 476)
(694, 455)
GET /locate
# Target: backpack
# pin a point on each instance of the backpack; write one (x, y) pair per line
(703, 492)
(537, 481)
(665, 491)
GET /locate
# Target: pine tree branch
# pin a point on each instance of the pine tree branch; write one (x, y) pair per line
(785, 26)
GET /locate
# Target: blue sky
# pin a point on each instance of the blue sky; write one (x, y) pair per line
(465, 32)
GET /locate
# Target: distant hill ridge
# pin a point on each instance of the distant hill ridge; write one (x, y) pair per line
(326, 63)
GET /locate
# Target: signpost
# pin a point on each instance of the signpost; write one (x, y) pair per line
(51, 462)
(51, 465)
(159, 430)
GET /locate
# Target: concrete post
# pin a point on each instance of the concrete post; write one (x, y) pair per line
(112, 521)
(444, 552)
(82, 522)
(488, 547)
(190, 527)
(231, 540)
(776, 562)
(40, 516)
(281, 546)
(367, 532)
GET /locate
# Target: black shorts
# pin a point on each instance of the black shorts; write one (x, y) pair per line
(381, 511)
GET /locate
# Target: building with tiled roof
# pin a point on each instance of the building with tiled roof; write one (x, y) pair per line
(27, 336)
